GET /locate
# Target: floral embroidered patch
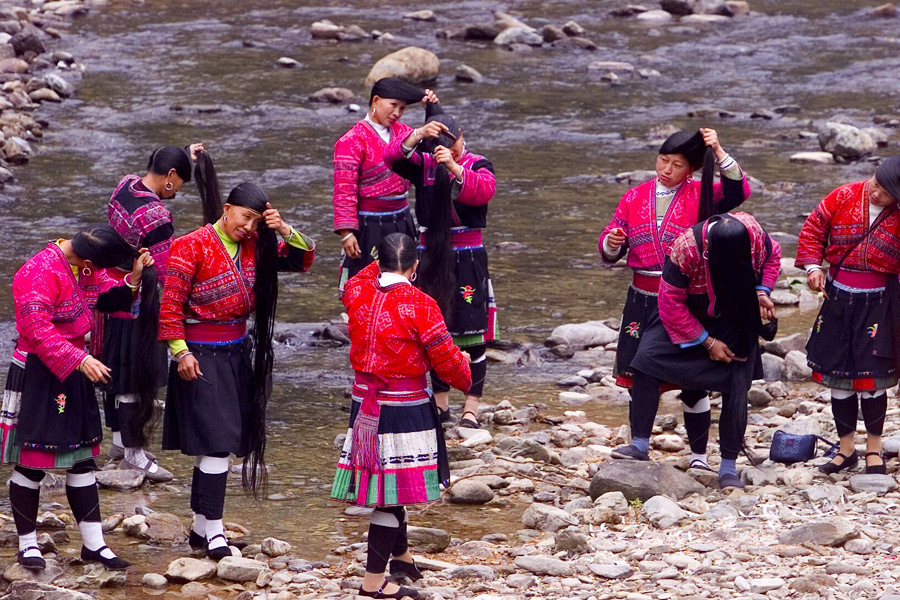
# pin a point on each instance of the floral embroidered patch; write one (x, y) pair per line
(468, 293)
(633, 329)
(61, 403)
(873, 330)
(819, 324)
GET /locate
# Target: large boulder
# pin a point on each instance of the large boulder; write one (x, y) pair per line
(583, 335)
(780, 346)
(428, 539)
(846, 142)
(773, 367)
(469, 491)
(412, 64)
(796, 367)
(643, 480)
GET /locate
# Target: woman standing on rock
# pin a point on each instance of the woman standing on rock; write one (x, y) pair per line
(453, 188)
(369, 200)
(394, 454)
(50, 417)
(137, 212)
(216, 402)
(854, 342)
(713, 297)
(646, 222)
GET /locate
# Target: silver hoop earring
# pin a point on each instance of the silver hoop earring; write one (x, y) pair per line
(169, 186)
(224, 218)
(413, 276)
(86, 271)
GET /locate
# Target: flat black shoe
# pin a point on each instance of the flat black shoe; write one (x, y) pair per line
(401, 568)
(730, 481)
(196, 541)
(847, 462)
(35, 563)
(444, 415)
(629, 452)
(113, 564)
(876, 469)
(468, 423)
(403, 592)
(219, 553)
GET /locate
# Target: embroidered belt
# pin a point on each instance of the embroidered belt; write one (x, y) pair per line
(646, 283)
(382, 205)
(460, 238)
(859, 280)
(205, 332)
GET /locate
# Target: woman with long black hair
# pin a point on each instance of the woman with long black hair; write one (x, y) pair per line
(713, 297)
(453, 189)
(217, 395)
(50, 417)
(137, 213)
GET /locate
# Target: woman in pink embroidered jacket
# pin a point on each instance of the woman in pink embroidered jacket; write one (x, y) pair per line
(370, 201)
(50, 416)
(646, 222)
(713, 297)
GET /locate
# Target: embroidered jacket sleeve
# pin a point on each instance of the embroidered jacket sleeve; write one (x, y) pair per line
(683, 328)
(619, 221)
(733, 188)
(816, 230)
(183, 265)
(348, 158)
(113, 295)
(771, 266)
(408, 164)
(445, 357)
(478, 183)
(296, 253)
(157, 232)
(36, 292)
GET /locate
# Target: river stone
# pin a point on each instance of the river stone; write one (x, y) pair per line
(518, 35)
(833, 532)
(824, 491)
(773, 367)
(609, 66)
(811, 584)
(663, 512)
(164, 528)
(193, 590)
(505, 21)
(240, 569)
(13, 65)
(547, 518)
(120, 479)
(16, 572)
(524, 448)
(59, 85)
(332, 95)
(48, 520)
(135, 525)
(885, 11)
(471, 572)
(572, 541)
(468, 74)
(655, 16)
(183, 570)
(782, 345)
(33, 590)
(877, 484)
(643, 480)
(795, 366)
(615, 501)
(784, 298)
(615, 570)
(574, 398)
(552, 33)
(820, 158)
(583, 335)
(544, 565)
(475, 437)
(411, 64)
(759, 397)
(765, 584)
(469, 491)
(796, 477)
(421, 15)
(98, 576)
(846, 141)
(668, 443)
(275, 547)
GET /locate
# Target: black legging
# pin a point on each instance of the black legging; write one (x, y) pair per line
(385, 538)
(479, 372)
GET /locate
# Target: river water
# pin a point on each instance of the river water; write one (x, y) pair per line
(176, 72)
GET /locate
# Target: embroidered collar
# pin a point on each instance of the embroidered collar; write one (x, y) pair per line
(389, 279)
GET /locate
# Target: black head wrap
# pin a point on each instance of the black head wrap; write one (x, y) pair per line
(691, 146)
(396, 89)
(434, 112)
(888, 176)
(248, 195)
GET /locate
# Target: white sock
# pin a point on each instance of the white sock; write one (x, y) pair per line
(701, 457)
(117, 439)
(199, 526)
(29, 540)
(92, 538)
(138, 458)
(214, 528)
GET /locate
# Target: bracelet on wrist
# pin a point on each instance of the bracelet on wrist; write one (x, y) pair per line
(346, 237)
(182, 354)
(127, 280)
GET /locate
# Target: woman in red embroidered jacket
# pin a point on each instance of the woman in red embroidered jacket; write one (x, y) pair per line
(216, 401)
(453, 189)
(713, 297)
(369, 200)
(646, 222)
(853, 346)
(137, 213)
(50, 417)
(394, 453)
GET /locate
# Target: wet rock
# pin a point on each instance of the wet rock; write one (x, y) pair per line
(552, 33)
(773, 367)
(120, 479)
(480, 32)
(795, 367)
(164, 528)
(98, 576)
(472, 572)
(467, 74)
(704, 19)
(572, 380)
(33, 590)
(193, 590)
(59, 85)
(574, 398)
(544, 565)
(353, 33)
(46, 543)
(507, 21)
(13, 65)
(135, 525)
(275, 547)
(421, 15)
(784, 298)
(782, 345)
(16, 572)
(821, 158)
(759, 397)
(27, 42)
(336, 332)
(636, 479)
(663, 512)
(524, 448)
(287, 62)
(332, 95)
(240, 569)
(572, 541)
(738, 7)
(885, 11)
(547, 518)
(583, 335)
(325, 30)
(469, 491)
(411, 64)
(186, 569)
(518, 35)
(655, 16)
(833, 532)
(876, 484)
(154, 580)
(573, 29)
(427, 539)
(710, 112)
(609, 66)
(846, 142)
(48, 520)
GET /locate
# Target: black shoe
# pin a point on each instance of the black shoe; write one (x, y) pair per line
(876, 469)
(700, 465)
(196, 541)
(631, 452)
(219, 553)
(403, 592)
(35, 563)
(113, 564)
(444, 415)
(401, 568)
(847, 462)
(730, 480)
(468, 424)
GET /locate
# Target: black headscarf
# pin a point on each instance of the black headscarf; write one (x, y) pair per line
(698, 154)
(888, 176)
(396, 89)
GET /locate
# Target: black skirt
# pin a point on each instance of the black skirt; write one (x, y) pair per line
(853, 339)
(639, 308)
(474, 296)
(372, 229)
(210, 415)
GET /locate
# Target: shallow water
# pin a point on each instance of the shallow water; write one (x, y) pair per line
(556, 134)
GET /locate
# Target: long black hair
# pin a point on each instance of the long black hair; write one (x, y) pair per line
(166, 158)
(104, 247)
(265, 288)
(734, 280)
(397, 253)
(698, 154)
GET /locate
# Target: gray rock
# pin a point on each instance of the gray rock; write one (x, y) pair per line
(421, 15)
(615, 570)
(759, 397)
(583, 335)
(834, 532)
(613, 500)
(469, 491)
(98, 576)
(663, 512)
(32, 590)
(544, 565)
(572, 541)
(472, 572)
(17, 152)
(824, 491)
(59, 85)
(325, 30)
(467, 74)
(876, 484)
(26, 41)
(164, 528)
(154, 580)
(523, 448)
(642, 480)
(427, 539)
(574, 398)
(552, 33)
(120, 479)
(795, 366)
(16, 572)
(655, 16)
(286, 62)
(520, 581)
(518, 35)
(415, 65)
(773, 367)
(275, 547)
(183, 570)
(846, 141)
(784, 298)
(668, 443)
(332, 95)
(240, 569)
(619, 68)
(859, 546)
(547, 518)
(765, 584)
(885, 11)
(819, 158)
(571, 381)
(782, 345)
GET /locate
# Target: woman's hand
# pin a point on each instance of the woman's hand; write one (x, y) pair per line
(195, 148)
(274, 221)
(615, 238)
(430, 130)
(466, 356)
(95, 370)
(430, 97)
(718, 350)
(766, 306)
(188, 367)
(711, 139)
(349, 243)
(144, 259)
(444, 156)
(815, 279)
